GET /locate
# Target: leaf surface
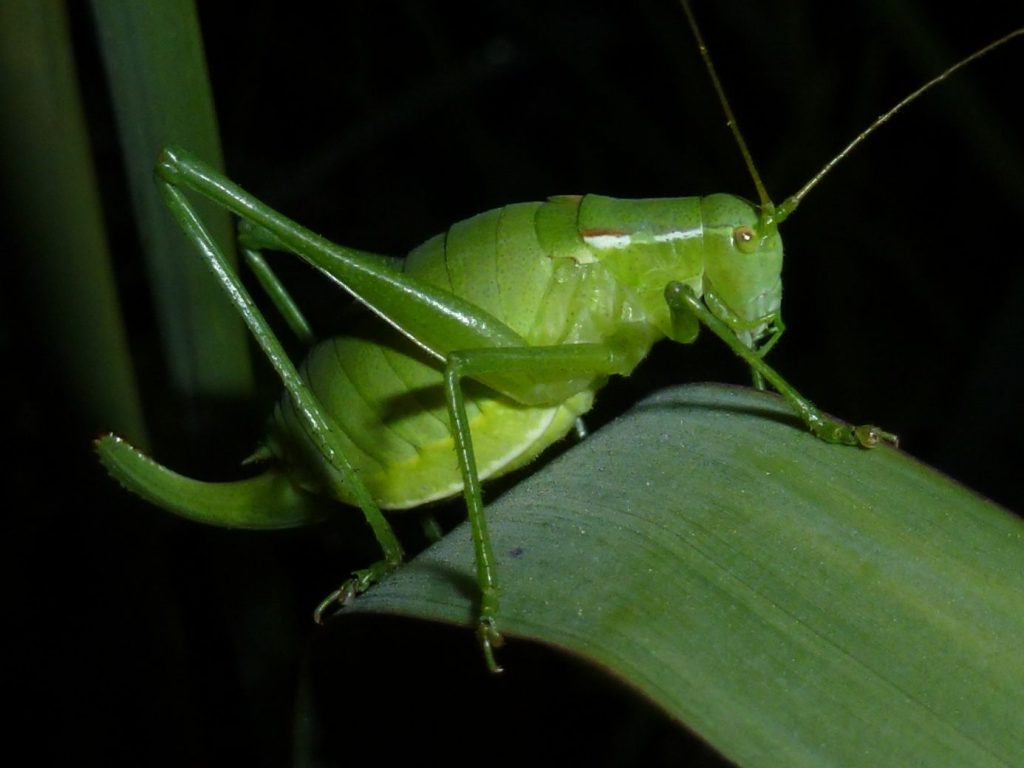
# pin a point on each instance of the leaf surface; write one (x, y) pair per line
(794, 603)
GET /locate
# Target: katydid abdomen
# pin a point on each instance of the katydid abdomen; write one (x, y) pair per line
(389, 404)
(570, 270)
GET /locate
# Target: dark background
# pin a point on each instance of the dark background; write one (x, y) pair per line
(142, 638)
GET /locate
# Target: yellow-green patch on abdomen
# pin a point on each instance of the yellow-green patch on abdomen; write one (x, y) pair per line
(388, 403)
(505, 437)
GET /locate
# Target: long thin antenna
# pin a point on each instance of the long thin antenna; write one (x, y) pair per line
(767, 207)
(791, 203)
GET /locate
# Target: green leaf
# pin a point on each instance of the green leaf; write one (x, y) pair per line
(794, 603)
(156, 69)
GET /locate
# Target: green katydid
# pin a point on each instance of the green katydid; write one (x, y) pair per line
(497, 335)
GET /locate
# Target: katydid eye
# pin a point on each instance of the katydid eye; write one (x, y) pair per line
(744, 239)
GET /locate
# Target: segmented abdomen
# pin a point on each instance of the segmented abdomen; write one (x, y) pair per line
(386, 394)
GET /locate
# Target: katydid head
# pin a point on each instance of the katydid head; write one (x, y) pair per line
(742, 282)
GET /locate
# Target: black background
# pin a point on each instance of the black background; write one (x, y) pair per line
(142, 638)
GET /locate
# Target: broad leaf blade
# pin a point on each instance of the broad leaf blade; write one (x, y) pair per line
(794, 603)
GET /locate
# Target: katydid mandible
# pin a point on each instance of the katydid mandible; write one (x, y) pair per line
(496, 336)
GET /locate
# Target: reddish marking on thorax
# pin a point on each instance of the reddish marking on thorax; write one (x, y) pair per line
(602, 232)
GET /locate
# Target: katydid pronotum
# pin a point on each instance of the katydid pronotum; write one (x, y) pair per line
(496, 336)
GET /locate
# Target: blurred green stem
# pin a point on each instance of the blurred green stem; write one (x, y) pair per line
(156, 70)
(53, 204)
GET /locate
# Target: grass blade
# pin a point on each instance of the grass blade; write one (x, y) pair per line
(157, 73)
